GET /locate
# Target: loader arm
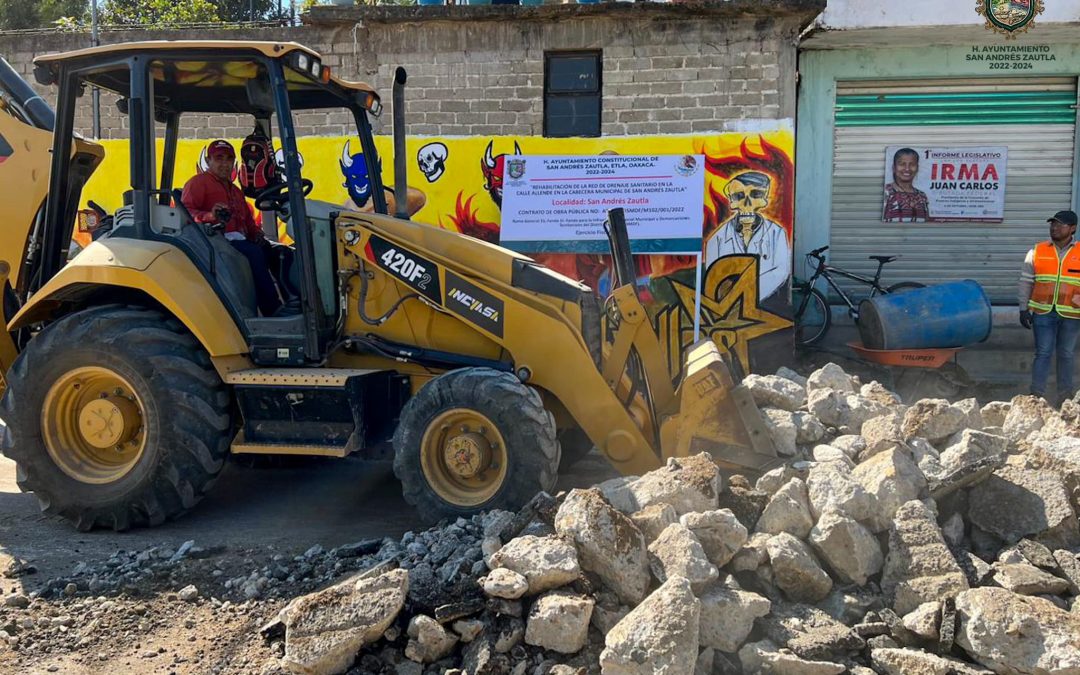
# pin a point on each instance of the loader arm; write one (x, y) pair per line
(538, 327)
(26, 142)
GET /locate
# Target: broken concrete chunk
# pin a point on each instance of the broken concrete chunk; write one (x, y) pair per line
(505, 583)
(1070, 569)
(1011, 633)
(720, 533)
(824, 454)
(753, 554)
(727, 617)
(934, 419)
(1015, 503)
(789, 374)
(559, 621)
(428, 640)
(832, 488)
(774, 479)
(781, 427)
(658, 636)
(882, 433)
(917, 662)
(795, 569)
(809, 632)
(919, 566)
(773, 391)
(788, 511)
(687, 483)
(468, 629)
(608, 543)
(848, 548)
(546, 562)
(851, 445)
(831, 376)
(325, 630)
(1037, 554)
(924, 620)
(766, 657)
(677, 552)
(847, 412)
(652, 520)
(970, 407)
(974, 446)
(1024, 579)
(617, 493)
(995, 412)
(953, 530)
(893, 479)
(1026, 416)
(808, 429)
(746, 502)
(876, 391)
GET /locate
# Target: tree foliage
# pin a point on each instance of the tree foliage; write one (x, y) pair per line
(25, 14)
(21, 14)
(245, 10)
(157, 12)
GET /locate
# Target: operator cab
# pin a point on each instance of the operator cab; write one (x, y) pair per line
(264, 87)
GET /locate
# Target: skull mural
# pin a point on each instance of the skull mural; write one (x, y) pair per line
(432, 160)
(748, 194)
(493, 167)
(357, 181)
(279, 159)
(750, 232)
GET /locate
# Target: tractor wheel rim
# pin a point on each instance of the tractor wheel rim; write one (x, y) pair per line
(92, 423)
(463, 457)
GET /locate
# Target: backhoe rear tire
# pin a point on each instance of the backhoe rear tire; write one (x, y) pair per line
(474, 439)
(126, 376)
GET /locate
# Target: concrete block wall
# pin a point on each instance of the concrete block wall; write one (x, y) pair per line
(477, 70)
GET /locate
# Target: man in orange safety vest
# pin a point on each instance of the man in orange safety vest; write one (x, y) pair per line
(1049, 298)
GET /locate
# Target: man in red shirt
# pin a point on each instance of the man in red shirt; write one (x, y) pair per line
(212, 198)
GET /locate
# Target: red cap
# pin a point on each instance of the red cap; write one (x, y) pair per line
(219, 146)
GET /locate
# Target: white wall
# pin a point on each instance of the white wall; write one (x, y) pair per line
(848, 14)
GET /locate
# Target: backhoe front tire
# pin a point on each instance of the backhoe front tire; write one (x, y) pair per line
(115, 418)
(474, 439)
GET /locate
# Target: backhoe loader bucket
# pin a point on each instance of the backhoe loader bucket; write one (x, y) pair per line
(717, 416)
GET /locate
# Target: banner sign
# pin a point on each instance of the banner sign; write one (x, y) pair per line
(559, 203)
(944, 184)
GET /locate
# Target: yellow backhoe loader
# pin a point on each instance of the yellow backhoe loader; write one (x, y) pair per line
(135, 368)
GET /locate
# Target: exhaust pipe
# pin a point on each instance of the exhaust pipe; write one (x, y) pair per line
(401, 184)
(36, 110)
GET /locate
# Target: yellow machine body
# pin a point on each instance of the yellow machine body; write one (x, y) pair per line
(596, 366)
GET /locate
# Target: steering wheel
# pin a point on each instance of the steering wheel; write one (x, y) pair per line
(276, 196)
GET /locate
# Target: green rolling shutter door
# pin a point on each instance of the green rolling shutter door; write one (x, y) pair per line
(1034, 117)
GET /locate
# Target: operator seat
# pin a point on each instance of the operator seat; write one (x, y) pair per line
(230, 269)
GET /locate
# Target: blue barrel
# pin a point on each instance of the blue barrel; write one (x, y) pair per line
(953, 314)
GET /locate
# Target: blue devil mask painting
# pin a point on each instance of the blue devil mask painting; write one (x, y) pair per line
(357, 181)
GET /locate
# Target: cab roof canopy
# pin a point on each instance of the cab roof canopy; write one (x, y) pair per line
(208, 76)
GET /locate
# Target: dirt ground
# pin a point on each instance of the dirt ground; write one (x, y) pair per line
(257, 522)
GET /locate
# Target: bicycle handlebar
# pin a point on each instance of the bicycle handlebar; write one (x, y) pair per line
(819, 251)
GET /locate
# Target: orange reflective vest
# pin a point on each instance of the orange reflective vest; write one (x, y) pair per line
(1057, 281)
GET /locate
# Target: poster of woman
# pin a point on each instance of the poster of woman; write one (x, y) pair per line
(905, 203)
(943, 184)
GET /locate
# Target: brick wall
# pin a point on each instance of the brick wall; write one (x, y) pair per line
(474, 70)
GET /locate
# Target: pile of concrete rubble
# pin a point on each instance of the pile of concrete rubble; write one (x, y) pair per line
(932, 538)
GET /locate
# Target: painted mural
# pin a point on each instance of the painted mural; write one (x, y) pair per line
(456, 183)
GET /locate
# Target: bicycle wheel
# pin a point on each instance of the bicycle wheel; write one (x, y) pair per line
(904, 286)
(812, 315)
